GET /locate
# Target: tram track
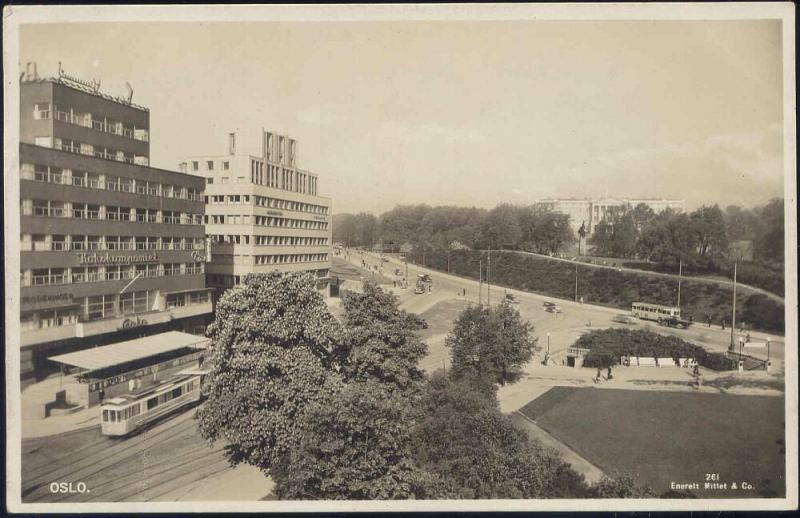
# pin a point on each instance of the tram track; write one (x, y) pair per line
(37, 485)
(187, 461)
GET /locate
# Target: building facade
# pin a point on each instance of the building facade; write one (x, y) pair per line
(111, 249)
(591, 212)
(263, 213)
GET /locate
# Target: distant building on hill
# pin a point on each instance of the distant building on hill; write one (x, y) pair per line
(591, 212)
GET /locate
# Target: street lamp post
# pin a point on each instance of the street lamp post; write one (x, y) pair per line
(576, 282)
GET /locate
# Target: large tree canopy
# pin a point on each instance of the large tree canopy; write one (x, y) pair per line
(270, 358)
(380, 341)
(491, 342)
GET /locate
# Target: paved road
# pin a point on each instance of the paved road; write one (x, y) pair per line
(564, 328)
(163, 462)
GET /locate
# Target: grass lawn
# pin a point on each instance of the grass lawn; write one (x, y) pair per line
(664, 437)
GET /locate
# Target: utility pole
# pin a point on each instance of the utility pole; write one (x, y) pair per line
(448, 260)
(680, 271)
(488, 278)
(480, 280)
(733, 315)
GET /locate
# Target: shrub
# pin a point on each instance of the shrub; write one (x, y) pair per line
(606, 346)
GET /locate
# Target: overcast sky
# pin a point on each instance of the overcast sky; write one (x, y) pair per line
(465, 113)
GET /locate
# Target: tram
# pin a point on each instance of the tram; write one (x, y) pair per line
(124, 414)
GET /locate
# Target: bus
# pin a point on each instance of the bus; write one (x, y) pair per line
(655, 312)
(125, 414)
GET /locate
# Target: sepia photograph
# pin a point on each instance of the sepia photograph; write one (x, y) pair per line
(444, 257)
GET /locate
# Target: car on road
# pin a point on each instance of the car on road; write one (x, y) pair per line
(624, 319)
(547, 304)
(677, 323)
(419, 290)
(553, 309)
(511, 299)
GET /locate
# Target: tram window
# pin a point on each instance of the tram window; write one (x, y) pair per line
(135, 409)
(152, 403)
(176, 392)
(105, 416)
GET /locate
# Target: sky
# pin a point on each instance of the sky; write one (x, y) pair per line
(471, 113)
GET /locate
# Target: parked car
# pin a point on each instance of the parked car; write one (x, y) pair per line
(624, 319)
(553, 309)
(547, 304)
(419, 290)
(511, 299)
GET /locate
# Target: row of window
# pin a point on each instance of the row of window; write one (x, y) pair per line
(83, 274)
(236, 239)
(227, 281)
(62, 176)
(226, 165)
(280, 178)
(290, 258)
(46, 111)
(264, 221)
(66, 242)
(81, 148)
(264, 201)
(108, 306)
(247, 260)
(61, 209)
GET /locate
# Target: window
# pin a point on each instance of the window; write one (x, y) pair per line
(226, 165)
(210, 165)
(195, 165)
(43, 141)
(209, 181)
(41, 111)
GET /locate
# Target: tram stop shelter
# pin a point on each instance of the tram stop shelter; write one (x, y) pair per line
(116, 369)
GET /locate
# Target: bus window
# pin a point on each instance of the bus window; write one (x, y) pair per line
(152, 403)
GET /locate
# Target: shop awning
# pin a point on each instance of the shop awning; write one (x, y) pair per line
(130, 350)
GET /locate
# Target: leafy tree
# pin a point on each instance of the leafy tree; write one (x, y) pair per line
(501, 227)
(354, 446)
(380, 341)
(355, 229)
(708, 226)
(621, 486)
(769, 246)
(491, 342)
(474, 451)
(401, 224)
(270, 359)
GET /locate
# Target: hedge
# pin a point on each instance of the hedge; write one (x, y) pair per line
(606, 346)
(609, 287)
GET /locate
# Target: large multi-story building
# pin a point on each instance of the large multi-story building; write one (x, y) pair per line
(591, 212)
(111, 249)
(263, 213)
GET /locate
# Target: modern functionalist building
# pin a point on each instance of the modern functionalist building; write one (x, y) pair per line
(263, 213)
(111, 249)
(593, 212)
